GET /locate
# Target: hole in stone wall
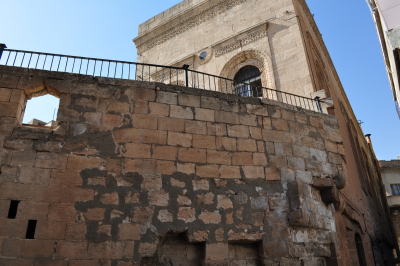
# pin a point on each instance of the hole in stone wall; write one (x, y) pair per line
(175, 250)
(245, 253)
(41, 111)
(30, 231)
(12, 212)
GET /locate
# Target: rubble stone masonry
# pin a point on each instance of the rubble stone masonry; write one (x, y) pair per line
(141, 173)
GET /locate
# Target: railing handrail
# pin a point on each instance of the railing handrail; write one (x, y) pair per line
(161, 73)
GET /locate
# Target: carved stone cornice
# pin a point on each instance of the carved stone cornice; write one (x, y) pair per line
(144, 43)
(241, 42)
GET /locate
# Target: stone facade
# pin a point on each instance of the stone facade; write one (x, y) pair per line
(142, 173)
(282, 40)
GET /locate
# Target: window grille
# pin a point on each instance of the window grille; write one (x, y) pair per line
(248, 82)
(395, 189)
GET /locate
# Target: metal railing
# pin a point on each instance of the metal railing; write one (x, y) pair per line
(182, 76)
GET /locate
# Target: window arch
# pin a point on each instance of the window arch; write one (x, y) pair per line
(360, 250)
(248, 82)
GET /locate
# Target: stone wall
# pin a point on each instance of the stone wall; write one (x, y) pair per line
(142, 173)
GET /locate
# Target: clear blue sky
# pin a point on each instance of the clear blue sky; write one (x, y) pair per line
(105, 29)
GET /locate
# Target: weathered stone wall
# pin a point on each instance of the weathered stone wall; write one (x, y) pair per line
(141, 173)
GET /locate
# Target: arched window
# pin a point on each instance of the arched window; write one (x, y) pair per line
(248, 82)
(360, 251)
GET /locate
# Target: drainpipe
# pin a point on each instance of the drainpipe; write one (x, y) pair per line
(383, 196)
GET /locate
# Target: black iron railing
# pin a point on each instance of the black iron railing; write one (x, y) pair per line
(182, 76)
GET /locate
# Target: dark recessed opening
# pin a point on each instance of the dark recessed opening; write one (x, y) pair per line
(30, 232)
(12, 212)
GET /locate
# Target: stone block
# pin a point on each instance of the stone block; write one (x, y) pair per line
(165, 153)
(226, 144)
(238, 131)
(127, 135)
(217, 251)
(71, 249)
(8, 174)
(129, 231)
(224, 202)
(273, 135)
(280, 125)
(144, 121)
(106, 250)
(37, 249)
(171, 124)
(30, 210)
(210, 170)
(81, 162)
(252, 172)
(188, 100)
(159, 109)
(151, 182)
(140, 165)
(218, 157)
(204, 142)
(246, 145)
(158, 198)
(77, 231)
(255, 133)
(137, 150)
(192, 155)
(186, 214)
(181, 112)
(5, 94)
(23, 158)
(38, 176)
(210, 217)
(202, 184)
(51, 160)
(143, 94)
(166, 167)
(226, 117)
(62, 212)
(111, 120)
(242, 158)
(257, 109)
(165, 216)
(272, 174)
(65, 178)
(179, 139)
(204, 114)
(229, 172)
(94, 214)
(278, 161)
(248, 120)
(322, 183)
(72, 195)
(67, 115)
(195, 127)
(210, 103)
(167, 97)
(296, 163)
(10, 109)
(13, 228)
(187, 168)
(154, 136)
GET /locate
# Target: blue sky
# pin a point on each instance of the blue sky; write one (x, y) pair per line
(105, 29)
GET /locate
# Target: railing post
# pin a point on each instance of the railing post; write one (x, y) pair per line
(186, 67)
(2, 47)
(318, 104)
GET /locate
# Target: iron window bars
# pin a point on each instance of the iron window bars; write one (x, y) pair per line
(182, 76)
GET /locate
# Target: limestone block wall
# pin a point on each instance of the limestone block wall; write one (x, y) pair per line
(234, 33)
(142, 173)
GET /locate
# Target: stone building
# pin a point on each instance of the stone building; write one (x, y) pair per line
(385, 14)
(147, 173)
(390, 171)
